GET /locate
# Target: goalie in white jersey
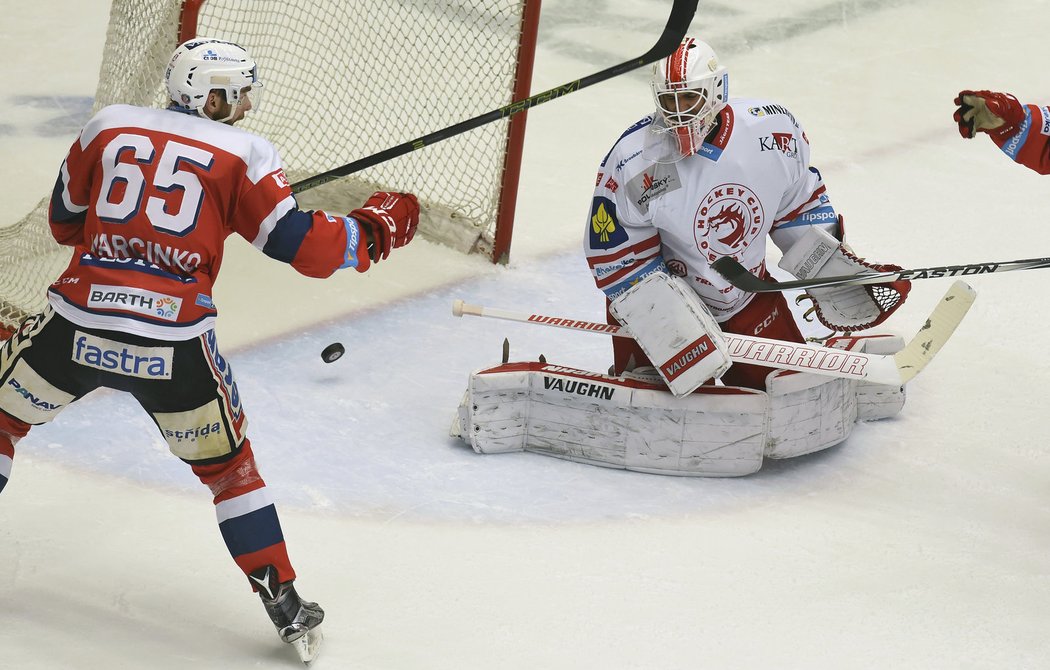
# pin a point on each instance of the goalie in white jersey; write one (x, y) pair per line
(707, 176)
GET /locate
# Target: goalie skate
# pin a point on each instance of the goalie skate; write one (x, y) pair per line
(297, 621)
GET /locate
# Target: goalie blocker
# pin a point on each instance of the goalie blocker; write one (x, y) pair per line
(633, 424)
(675, 331)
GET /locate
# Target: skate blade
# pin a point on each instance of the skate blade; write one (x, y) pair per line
(308, 646)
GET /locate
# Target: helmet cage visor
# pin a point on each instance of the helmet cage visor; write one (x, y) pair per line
(692, 103)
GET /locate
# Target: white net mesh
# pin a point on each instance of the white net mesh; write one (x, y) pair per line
(344, 79)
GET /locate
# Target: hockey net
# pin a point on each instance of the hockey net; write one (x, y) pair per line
(343, 80)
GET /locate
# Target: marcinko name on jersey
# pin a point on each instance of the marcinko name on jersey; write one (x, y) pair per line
(120, 247)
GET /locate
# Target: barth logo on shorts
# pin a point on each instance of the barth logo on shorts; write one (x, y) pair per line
(122, 359)
(136, 300)
(192, 434)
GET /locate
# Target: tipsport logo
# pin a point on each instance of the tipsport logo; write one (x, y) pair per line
(225, 373)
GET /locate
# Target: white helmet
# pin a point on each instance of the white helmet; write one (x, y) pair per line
(694, 69)
(202, 65)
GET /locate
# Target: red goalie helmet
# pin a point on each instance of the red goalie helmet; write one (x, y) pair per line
(690, 88)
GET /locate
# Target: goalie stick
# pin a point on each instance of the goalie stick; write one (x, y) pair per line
(896, 369)
(737, 275)
(677, 23)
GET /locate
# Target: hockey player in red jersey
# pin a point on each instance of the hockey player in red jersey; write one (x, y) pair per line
(146, 198)
(707, 176)
(1021, 131)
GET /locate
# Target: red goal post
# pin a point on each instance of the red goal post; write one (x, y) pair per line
(342, 80)
(478, 192)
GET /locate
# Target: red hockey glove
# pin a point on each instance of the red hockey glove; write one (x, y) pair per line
(388, 220)
(987, 111)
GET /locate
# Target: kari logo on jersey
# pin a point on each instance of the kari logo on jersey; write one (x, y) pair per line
(122, 359)
(652, 183)
(783, 142)
(728, 220)
(140, 301)
(606, 231)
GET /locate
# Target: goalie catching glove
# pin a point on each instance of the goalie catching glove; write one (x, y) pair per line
(388, 221)
(843, 309)
(987, 112)
(675, 331)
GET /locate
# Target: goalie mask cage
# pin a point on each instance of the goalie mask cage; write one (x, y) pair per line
(342, 80)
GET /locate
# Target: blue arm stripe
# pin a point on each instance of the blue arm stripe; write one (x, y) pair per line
(59, 213)
(655, 265)
(287, 235)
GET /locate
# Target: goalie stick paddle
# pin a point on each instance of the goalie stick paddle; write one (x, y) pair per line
(739, 276)
(896, 369)
(677, 23)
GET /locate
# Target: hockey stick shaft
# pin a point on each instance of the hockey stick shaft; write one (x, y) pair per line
(677, 24)
(739, 276)
(748, 349)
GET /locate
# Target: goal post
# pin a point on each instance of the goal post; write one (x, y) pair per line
(341, 80)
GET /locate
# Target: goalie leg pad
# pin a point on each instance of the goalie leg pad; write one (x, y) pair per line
(808, 412)
(675, 331)
(874, 401)
(613, 422)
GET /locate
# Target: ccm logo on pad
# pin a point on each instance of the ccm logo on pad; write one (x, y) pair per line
(120, 358)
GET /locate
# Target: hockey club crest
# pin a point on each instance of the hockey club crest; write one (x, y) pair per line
(606, 231)
(728, 220)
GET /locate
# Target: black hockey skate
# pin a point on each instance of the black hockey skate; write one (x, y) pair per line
(297, 621)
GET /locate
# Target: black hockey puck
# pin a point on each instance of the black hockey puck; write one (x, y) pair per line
(333, 352)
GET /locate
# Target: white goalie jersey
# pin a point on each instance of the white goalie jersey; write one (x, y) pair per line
(752, 179)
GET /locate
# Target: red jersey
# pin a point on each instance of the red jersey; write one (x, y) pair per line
(1029, 143)
(147, 197)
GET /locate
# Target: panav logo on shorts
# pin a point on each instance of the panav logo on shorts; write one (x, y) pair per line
(123, 359)
(136, 300)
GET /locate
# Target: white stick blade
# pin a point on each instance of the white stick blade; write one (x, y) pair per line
(937, 330)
